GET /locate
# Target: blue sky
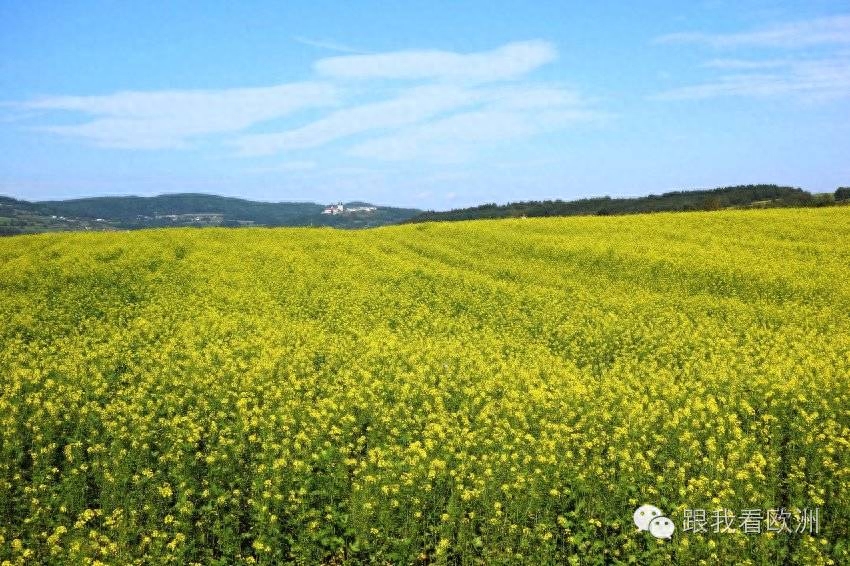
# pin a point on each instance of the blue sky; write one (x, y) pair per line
(427, 104)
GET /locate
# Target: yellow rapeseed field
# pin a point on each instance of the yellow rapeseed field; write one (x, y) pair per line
(489, 392)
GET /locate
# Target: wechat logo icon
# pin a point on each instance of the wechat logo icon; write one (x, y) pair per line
(649, 518)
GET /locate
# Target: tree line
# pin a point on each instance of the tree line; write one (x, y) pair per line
(740, 196)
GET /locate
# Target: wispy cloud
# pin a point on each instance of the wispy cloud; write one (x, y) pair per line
(329, 45)
(507, 117)
(820, 31)
(744, 64)
(821, 77)
(405, 105)
(172, 119)
(504, 63)
(286, 167)
(824, 79)
(411, 106)
(416, 105)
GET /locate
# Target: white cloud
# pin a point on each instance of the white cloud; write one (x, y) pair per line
(457, 138)
(411, 106)
(824, 79)
(504, 63)
(744, 64)
(287, 167)
(324, 44)
(450, 140)
(449, 105)
(415, 105)
(170, 119)
(820, 31)
(825, 76)
(526, 96)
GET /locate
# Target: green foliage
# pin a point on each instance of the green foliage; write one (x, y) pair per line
(133, 212)
(726, 197)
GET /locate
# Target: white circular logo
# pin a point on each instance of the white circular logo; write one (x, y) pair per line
(644, 514)
(661, 527)
(650, 518)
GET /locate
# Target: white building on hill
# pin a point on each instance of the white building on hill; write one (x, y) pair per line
(334, 209)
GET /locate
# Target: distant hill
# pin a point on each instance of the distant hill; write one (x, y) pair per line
(727, 197)
(193, 209)
(188, 209)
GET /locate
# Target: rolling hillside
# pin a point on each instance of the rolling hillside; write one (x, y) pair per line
(489, 392)
(130, 212)
(742, 196)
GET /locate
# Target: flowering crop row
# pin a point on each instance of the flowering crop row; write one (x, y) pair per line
(491, 392)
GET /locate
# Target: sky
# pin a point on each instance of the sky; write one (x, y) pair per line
(434, 105)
